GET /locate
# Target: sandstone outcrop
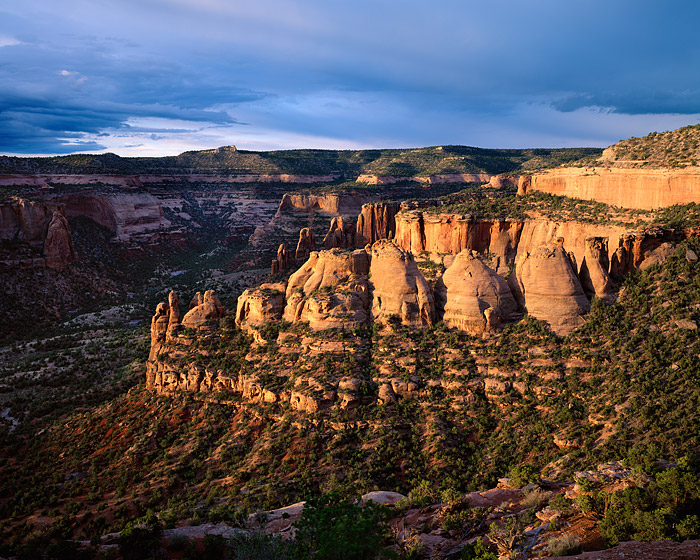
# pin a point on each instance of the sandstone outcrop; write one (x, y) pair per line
(418, 231)
(306, 244)
(376, 221)
(197, 299)
(341, 234)
(333, 204)
(58, 245)
(594, 276)
(398, 288)
(646, 189)
(257, 306)
(282, 260)
(547, 287)
(474, 298)
(159, 328)
(126, 215)
(174, 312)
(41, 225)
(330, 290)
(202, 314)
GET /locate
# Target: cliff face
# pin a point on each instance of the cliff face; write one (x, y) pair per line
(646, 189)
(41, 225)
(547, 287)
(376, 221)
(127, 215)
(452, 233)
(344, 204)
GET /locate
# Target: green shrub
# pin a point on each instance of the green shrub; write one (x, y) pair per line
(334, 528)
(523, 474)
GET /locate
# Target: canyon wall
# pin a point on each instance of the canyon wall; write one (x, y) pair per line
(645, 189)
(40, 226)
(46, 180)
(126, 215)
(333, 204)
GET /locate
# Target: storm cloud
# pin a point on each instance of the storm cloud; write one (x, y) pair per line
(163, 76)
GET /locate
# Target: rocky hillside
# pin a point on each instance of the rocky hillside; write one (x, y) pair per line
(675, 148)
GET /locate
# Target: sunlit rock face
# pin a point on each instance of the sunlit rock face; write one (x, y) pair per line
(547, 286)
(473, 296)
(398, 288)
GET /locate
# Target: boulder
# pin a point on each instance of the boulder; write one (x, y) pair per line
(546, 285)
(398, 288)
(474, 298)
(257, 306)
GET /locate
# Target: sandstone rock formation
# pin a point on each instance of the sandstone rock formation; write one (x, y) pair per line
(594, 276)
(306, 244)
(474, 298)
(398, 288)
(418, 231)
(646, 189)
(41, 225)
(257, 306)
(174, 312)
(58, 245)
(126, 215)
(376, 221)
(334, 204)
(207, 311)
(197, 299)
(341, 234)
(330, 290)
(547, 287)
(159, 328)
(281, 262)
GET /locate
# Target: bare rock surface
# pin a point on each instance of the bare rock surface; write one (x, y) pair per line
(546, 283)
(330, 290)
(468, 289)
(595, 279)
(398, 287)
(257, 306)
(208, 310)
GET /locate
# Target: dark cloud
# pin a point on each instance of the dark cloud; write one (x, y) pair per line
(368, 72)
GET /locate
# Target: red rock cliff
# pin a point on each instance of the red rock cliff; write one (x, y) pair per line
(629, 188)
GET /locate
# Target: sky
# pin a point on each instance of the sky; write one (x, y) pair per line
(159, 77)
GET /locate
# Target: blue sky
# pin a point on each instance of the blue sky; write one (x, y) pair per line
(156, 77)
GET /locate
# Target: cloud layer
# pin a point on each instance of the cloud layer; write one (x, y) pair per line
(163, 76)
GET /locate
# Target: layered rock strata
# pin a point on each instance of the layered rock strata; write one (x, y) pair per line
(646, 189)
(42, 226)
